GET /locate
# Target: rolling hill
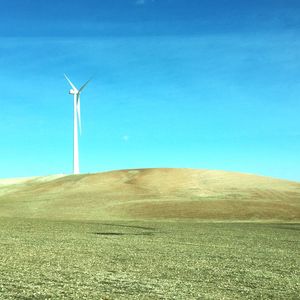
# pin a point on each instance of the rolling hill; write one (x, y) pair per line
(152, 194)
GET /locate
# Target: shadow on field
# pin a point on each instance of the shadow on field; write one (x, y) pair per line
(129, 226)
(286, 226)
(149, 232)
(122, 233)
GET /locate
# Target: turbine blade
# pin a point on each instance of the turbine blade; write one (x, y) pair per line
(84, 85)
(78, 112)
(72, 85)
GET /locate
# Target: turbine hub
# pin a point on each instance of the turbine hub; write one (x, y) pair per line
(72, 92)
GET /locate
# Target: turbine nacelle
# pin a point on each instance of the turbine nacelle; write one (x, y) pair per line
(73, 92)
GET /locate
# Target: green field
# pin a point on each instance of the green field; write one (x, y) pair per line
(44, 259)
(150, 234)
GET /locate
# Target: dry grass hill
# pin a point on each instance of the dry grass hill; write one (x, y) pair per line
(152, 194)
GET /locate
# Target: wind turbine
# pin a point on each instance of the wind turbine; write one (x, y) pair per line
(77, 122)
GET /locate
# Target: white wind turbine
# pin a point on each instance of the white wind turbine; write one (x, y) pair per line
(77, 122)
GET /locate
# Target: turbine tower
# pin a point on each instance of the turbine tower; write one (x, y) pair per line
(77, 122)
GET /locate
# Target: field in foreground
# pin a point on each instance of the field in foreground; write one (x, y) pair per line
(43, 259)
(150, 234)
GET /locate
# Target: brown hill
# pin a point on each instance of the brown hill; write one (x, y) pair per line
(152, 194)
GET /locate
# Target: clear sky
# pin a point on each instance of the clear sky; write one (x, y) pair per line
(211, 84)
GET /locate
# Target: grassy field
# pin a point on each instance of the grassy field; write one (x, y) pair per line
(48, 259)
(150, 234)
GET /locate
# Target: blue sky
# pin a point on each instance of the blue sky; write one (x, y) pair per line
(198, 84)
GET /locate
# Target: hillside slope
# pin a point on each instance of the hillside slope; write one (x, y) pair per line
(152, 194)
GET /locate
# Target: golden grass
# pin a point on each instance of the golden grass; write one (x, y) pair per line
(152, 194)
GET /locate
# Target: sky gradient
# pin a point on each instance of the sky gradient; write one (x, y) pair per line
(198, 84)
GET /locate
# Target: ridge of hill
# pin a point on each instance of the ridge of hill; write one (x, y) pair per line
(152, 194)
